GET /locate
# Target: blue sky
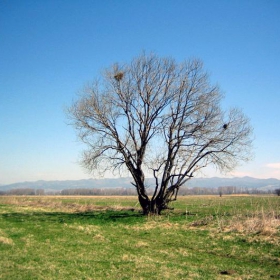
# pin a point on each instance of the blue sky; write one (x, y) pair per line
(50, 49)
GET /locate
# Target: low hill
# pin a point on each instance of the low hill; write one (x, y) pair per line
(240, 182)
(70, 184)
(214, 182)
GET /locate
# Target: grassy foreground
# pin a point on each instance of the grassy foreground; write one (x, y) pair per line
(205, 237)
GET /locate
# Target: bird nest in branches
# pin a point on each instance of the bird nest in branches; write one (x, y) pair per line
(118, 76)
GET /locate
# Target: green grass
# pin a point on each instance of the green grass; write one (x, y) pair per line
(205, 237)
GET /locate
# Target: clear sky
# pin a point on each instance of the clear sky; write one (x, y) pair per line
(50, 49)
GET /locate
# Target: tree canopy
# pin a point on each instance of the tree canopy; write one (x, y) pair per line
(159, 118)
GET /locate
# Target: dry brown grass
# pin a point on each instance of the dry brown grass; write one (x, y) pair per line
(57, 204)
(259, 223)
(4, 239)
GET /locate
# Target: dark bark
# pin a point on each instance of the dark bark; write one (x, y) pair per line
(155, 205)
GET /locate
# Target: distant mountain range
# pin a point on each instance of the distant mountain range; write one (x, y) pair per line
(214, 182)
(241, 182)
(71, 184)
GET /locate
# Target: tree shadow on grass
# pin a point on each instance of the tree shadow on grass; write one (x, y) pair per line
(96, 217)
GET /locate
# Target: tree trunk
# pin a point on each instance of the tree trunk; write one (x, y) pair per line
(155, 205)
(145, 204)
(152, 207)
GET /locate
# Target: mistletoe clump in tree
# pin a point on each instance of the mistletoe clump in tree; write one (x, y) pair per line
(157, 118)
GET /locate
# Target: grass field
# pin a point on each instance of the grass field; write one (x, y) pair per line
(205, 237)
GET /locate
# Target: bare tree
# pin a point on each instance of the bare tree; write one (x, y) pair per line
(161, 119)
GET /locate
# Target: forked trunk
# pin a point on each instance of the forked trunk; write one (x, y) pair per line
(152, 207)
(157, 203)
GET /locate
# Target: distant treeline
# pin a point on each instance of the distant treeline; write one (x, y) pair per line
(130, 191)
(222, 190)
(78, 191)
(23, 191)
(105, 191)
